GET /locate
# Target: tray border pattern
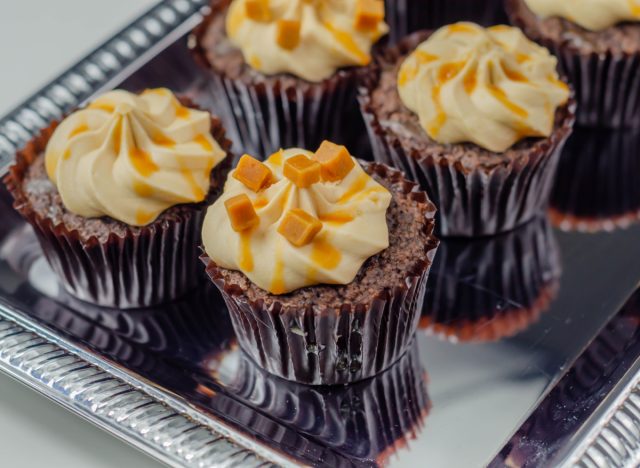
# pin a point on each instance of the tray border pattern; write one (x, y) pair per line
(161, 426)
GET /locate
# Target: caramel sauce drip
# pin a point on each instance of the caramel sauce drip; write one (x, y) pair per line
(357, 186)
(346, 41)
(246, 257)
(324, 254)
(142, 162)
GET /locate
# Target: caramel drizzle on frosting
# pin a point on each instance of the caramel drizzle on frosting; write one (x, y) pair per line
(319, 217)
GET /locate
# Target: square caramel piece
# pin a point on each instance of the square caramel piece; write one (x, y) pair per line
(258, 10)
(252, 173)
(302, 170)
(369, 13)
(335, 161)
(288, 34)
(299, 227)
(241, 213)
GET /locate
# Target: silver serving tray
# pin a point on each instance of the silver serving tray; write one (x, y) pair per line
(529, 354)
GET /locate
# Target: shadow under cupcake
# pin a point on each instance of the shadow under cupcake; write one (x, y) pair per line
(596, 188)
(485, 290)
(362, 424)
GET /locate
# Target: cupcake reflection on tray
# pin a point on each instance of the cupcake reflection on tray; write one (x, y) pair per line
(487, 289)
(596, 187)
(363, 424)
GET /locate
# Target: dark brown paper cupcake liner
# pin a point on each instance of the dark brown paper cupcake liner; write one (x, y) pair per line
(607, 88)
(486, 289)
(471, 202)
(326, 344)
(407, 16)
(266, 113)
(364, 423)
(149, 265)
(597, 188)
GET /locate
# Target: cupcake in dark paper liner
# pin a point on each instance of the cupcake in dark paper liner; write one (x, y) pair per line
(322, 262)
(284, 73)
(477, 116)
(364, 424)
(484, 290)
(407, 16)
(570, 404)
(116, 194)
(598, 48)
(596, 188)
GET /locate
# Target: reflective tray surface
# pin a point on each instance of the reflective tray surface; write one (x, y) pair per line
(523, 338)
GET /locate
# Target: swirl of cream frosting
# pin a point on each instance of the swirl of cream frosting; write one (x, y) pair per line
(327, 36)
(130, 157)
(492, 87)
(594, 15)
(354, 227)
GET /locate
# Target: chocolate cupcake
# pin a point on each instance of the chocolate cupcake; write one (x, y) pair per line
(477, 116)
(596, 187)
(361, 425)
(284, 72)
(322, 262)
(483, 290)
(116, 194)
(407, 16)
(598, 48)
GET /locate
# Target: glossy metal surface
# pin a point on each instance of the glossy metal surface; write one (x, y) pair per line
(523, 357)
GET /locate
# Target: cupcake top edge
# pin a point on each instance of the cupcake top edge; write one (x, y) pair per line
(488, 86)
(131, 157)
(298, 219)
(310, 39)
(594, 15)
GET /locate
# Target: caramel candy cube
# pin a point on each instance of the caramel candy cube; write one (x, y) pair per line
(302, 171)
(335, 161)
(252, 173)
(258, 10)
(288, 34)
(369, 13)
(299, 227)
(241, 213)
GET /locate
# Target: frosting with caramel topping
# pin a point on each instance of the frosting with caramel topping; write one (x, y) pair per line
(594, 15)
(319, 232)
(310, 39)
(492, 87)
(130, 157)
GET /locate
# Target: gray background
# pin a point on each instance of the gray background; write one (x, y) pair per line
(38, 40)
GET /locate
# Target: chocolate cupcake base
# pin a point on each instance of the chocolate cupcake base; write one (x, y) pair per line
(103, 261)
(266, 113)
(477, 192)
(602, 70)
(407, 16)
(325, 335)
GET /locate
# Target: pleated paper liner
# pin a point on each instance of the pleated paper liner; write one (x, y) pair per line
(407, 16)
(606, 84)
(572, 401)
(146, 266)
(597, 186)
(480, 201)
(484, 290)
(265, 113)
(365, 423)
(339, 343)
